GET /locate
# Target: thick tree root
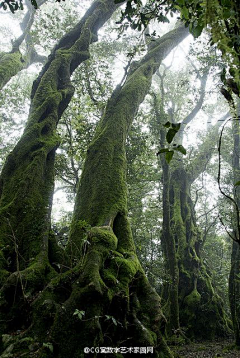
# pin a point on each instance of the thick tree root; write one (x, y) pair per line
(104, 301)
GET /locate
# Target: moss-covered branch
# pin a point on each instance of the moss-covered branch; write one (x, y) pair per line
(14, 61)
(27, 179)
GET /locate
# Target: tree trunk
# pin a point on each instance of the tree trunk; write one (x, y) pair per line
(234, 283)
(234, 291)
(191, 303)
(201, 308)
(104, 294)
(170, 286)
(27, 178)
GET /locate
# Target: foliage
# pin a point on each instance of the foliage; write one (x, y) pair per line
(171, 133)
(79, 314)
(222, 16)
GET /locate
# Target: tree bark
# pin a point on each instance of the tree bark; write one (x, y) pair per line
(190, 300)
(234, 284)
(27, 178)
(104, 282)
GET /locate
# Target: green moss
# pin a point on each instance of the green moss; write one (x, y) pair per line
(193, 299)
(10, 64)
(103, 236)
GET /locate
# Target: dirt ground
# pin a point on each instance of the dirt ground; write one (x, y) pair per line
(216, 349)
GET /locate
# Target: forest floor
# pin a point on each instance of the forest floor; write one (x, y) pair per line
(216, 349)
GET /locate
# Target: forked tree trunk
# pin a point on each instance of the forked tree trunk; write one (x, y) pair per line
(104, 297)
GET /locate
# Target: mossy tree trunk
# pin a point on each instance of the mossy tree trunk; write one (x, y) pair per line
(104, 281)
(27, 178)
(191, 302)
(201, 308)
(234, 291)
(14, 61)
(111, 279)
(234, 283)
(170, 286)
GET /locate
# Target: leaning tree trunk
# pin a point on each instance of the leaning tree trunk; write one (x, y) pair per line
(104, 273)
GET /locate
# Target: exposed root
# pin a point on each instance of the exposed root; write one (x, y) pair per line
(105, 300)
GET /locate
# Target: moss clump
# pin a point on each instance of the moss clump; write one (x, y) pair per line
(193, 300)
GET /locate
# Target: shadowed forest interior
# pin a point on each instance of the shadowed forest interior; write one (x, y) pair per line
(120, 178)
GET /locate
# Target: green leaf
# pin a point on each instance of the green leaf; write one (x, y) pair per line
(49, 346)
(78, 313)
(114, 321)
(167, 125)
(171, 134)
(11, 7)
(237, 183)
(185, 12)
(34, 3)
(169, 156)
(197, 30)
(163, 150)
(181, 2)
(176, 126)
(181, 149)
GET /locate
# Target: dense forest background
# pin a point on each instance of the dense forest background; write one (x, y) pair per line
(120, 176)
